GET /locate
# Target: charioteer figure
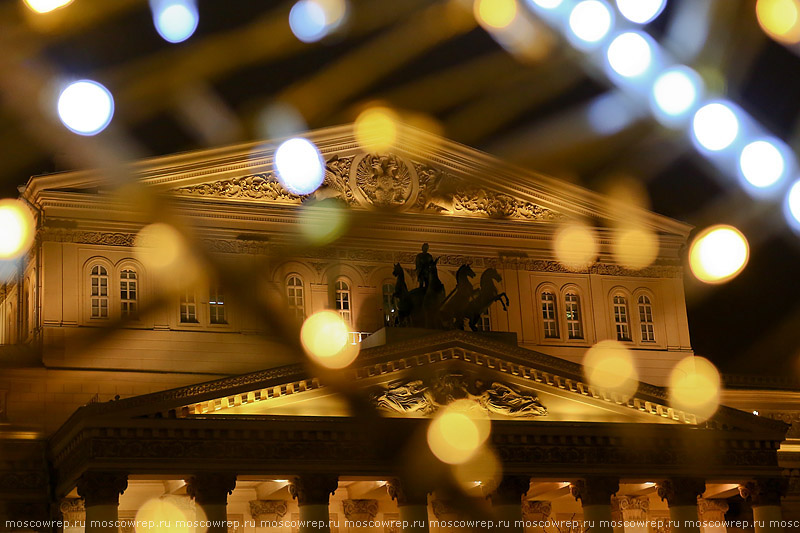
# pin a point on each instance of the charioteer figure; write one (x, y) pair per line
(423, 263)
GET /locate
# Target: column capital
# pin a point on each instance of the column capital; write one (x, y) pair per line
(594, 490)
(360, 510)
(632, 503)
(711, 506)
(102, 488)
(210, 488)
(72, 509)
(681, 491)
(406, 493)
(279, 508)
(313, 489)
(536, 509)
(510, 490)
(764, 491)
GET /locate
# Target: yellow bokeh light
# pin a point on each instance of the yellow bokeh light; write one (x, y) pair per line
(326, 340)
(780, 19)
(46, 6)
(483, 468)
(376, 129)
(458, 431)
(334, 11)
(323, 222)
(609, 365)
(575, 246)
(694, 386)
(635, 248)
(162, 516)
(16, 229)
(718, 254)
(495, 13)
(167, 256)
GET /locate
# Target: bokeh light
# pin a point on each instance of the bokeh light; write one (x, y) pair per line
(311, 20)
(323, 222)
(16, 229)
(715, 126)
(793, 205)
(46, 6)
(676, 91)
(300, 166)
(175, 20)
(609, 365)
(694, 387)
(718, 254)
(590, 21)
(762, 163)
(458, 431)
(547, 4)
(162, 516)
(780, 19)
(483, 468)
(85, 107)
(280, 119)
(325, 338)
(166, 255)
(635, 247)
(376, 129)
(641, 11)
(495, 13)
(630, 54)
(575, 246)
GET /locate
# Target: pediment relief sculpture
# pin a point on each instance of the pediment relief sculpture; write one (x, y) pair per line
(425, 397)
(383, 181)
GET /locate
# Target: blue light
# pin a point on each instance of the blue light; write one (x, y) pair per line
(675, 92)
(85, 107)
(300, 166)
(308, 21)
(792, 205)
(762, 163)
(715, 126)
(641, 11)
(630, 54)
(175, 20)
(590, 21)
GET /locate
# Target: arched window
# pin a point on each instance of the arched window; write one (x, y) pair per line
(216, 305)
(343, 300)
(572, 307)
(188, 307)
(389, 309)
(294, 293)
(128, 293)
(621, 319)
(646, 319)
(549, 315)
(99, 292)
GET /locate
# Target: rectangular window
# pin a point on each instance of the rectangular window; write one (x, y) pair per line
(549, 315)
(343, 300)
(216, 306)
(646, 319)
(485, 322)
(99, 294)
(572, 306)
(621, 318)
(128, 294)
(188, 307)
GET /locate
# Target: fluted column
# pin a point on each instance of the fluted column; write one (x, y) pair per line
(100, 492)
(633, 513)
(681, 495)
(764, 496)
(595, 496)
(268, 514)
(712, 515)
(536, 512)
(412, 501)
(210, 491)
(313, 497)
(507, 502)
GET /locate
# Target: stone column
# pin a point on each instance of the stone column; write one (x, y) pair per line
(268, 514)
(681, 495)
(100, 492)
(536, 512)
(633, 513)
(361, 514)
(507, 502)
(764, 496)
(210, 491)
(595, 496)
(412, 503)
(313, 496)
(73, 512)
(712, 515)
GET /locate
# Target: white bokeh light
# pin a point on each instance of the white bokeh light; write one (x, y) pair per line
(85, 107)
(590, 21)
(762, 163)
(175, 20)
(46, 6)
(300, 166)
(715, 126)
(641, 11)
(547, 4)
(311, 20)
(793, 204)
(630, 55)
(676, 90)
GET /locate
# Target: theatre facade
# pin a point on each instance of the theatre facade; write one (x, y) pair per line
(129, 389)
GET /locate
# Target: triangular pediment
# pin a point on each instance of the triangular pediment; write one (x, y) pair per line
(423, 173)
(506, 381)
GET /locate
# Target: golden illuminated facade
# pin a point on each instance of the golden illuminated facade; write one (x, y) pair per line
(124, 384)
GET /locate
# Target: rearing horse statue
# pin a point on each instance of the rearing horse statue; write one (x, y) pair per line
(419, 307)
(455, 305)
(486, 296)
